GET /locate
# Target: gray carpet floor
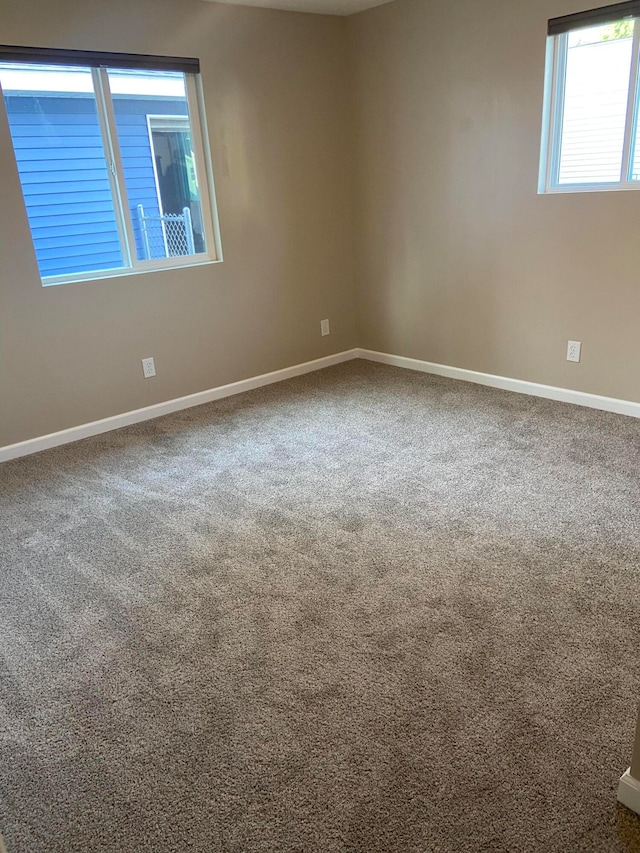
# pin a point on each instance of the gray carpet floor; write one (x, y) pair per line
(363, 610)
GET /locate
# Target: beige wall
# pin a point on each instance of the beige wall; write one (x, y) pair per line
(419, 123)
(279, 116)
(461, 262)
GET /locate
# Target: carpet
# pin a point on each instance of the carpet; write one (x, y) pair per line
(363, 610)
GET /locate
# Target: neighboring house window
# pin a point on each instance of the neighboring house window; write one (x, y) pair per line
(113, 162)
(590, 139)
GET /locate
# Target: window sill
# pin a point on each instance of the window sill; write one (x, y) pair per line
(120, 273)
(590, 188)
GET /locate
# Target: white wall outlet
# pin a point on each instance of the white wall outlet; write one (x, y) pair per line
(324, 327)
(148, 368)
(573, 350)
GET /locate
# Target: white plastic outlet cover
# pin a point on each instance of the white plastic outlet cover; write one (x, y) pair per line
(148, 367)
(574, 349)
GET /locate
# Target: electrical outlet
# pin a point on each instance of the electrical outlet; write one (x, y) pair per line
(324, 327)
(148, 368)
(573, 350)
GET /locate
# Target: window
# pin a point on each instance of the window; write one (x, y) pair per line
(590, 139)
(113, 165)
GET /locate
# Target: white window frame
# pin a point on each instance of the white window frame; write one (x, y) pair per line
(204, 175)
(553, 114)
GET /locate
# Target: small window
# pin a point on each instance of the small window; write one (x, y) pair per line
(590, 139)
(113, 167)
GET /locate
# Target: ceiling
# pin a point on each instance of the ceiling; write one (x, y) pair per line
(322, 7)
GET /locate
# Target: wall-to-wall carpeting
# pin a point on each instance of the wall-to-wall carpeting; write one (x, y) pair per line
(363, 610)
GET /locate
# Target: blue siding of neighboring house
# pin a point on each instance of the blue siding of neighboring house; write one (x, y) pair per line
(65, 181)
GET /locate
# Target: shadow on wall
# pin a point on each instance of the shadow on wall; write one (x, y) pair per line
(427, 271)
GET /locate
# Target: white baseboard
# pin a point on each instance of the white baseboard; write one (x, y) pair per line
(520, 386)
(629, 792)
(564, 395)
(66, 436)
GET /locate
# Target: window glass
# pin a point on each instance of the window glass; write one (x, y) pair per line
(59, 150)
(635, 163)
(159, 163)
(596, 89)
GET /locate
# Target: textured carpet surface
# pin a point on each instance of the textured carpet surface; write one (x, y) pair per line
(362, 610)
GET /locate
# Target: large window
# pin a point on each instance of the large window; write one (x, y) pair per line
(113, 165)
(590, 139)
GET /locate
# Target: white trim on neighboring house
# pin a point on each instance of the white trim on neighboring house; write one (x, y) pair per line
(157, 181)
(163, 122)
(565, 395)
(159, 119)
(184, 121)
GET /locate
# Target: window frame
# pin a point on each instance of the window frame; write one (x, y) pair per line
(553, 118)
(113, 159)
